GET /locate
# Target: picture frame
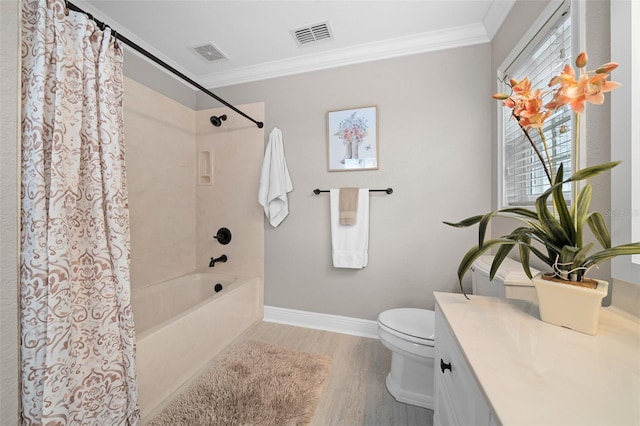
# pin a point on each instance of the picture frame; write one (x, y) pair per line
(352, 139)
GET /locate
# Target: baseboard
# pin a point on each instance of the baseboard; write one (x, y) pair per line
(318, 321)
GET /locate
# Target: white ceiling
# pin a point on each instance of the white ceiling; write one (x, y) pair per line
(256, 39)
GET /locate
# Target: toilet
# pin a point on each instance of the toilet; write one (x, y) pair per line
(409, 332)
(510, 281)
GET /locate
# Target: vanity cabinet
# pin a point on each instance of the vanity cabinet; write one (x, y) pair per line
(458, 398)
(497, 363)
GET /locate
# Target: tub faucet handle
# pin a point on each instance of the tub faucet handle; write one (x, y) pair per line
(222, 259)
(223, 236)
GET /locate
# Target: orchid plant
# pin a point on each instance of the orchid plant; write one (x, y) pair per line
(554, 236)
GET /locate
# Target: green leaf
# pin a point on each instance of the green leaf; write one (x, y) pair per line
(474, 253)
(581, 254)
(466, 222)
(581, 175)
(551, 226)
(621, 250)
(567, 255)
(588, 172)
(599, 228)
(482, 227)
(579, 259)
(499, 257)
(519, 211)
(566, 222)
(524, 257)
(524, 254)
(583, 200)
(546, 259)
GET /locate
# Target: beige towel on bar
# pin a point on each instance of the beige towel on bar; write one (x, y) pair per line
(348, 205)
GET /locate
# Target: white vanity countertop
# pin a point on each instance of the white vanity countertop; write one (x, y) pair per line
(534, 373)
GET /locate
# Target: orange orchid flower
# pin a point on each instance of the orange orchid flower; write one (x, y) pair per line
(526, 105)
(587, 88)
(528, 109)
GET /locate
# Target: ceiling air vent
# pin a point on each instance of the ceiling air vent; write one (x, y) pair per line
(312, 34)
(209, 52)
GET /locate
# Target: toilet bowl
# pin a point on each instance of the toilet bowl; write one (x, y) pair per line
(409, 334)
(509, 282)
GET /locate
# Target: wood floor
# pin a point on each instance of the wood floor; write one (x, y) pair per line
(355, 392)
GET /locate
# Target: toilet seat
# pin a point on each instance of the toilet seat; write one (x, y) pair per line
(412, 324)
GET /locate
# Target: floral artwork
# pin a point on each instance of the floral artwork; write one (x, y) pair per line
(352, 139)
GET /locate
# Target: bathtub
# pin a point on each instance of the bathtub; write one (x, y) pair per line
(182, 323)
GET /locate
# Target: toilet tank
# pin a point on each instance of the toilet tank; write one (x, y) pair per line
(509, 282)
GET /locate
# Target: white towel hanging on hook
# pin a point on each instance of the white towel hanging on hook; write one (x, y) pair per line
(275, 181)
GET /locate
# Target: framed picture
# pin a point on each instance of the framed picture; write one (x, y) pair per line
(352, 139)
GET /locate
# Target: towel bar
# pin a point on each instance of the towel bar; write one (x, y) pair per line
(388, 190)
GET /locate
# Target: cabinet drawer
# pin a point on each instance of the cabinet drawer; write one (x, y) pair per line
(455, 381)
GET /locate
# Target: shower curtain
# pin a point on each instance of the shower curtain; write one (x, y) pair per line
(77, 331)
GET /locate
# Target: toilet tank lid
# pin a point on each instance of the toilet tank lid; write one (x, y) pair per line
(413, 322)
(510, 271)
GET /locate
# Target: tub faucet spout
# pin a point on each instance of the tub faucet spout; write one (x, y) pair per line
(222, 259)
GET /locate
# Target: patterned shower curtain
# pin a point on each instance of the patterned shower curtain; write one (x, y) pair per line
(78, 342)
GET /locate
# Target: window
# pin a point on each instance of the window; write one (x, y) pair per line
(522, 175)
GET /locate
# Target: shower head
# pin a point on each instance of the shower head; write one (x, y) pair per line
(217, 121)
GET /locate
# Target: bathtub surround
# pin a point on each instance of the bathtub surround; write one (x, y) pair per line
(161, 173)
(163, 138)
(253, 383)
(174, 221)
(238, 148)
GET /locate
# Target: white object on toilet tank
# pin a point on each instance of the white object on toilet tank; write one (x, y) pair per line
(510, 281)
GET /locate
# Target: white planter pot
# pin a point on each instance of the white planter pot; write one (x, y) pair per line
(570, 306)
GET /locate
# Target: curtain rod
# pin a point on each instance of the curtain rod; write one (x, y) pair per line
(160, 62)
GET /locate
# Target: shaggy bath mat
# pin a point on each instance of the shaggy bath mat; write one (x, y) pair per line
(254, 384)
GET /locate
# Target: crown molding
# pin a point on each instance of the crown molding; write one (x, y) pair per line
(448, 38)
(422, 43)
(497, 13)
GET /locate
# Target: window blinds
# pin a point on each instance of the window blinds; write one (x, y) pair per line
(524, 176)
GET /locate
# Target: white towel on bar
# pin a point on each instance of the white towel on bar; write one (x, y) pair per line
(350, 243)
(275, 181)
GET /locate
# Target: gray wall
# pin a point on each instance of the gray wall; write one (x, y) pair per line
(9, 160)
(434, 149)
